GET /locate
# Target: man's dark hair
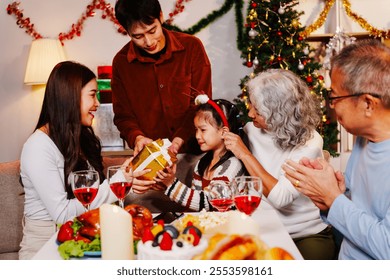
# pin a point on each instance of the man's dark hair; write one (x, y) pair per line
(128, 12)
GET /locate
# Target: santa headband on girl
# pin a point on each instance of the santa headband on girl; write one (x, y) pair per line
(203, 99)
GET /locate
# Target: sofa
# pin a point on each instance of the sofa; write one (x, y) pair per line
(11, 210)
(12, 201)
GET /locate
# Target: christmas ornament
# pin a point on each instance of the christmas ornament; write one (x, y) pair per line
(295, 23)
(301, 66)
(252, 33)
(281, 10)
(256, 61)
(336, 43)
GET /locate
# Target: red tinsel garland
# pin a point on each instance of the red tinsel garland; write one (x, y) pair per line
(107, 13)
(22, 22)
(179, 8)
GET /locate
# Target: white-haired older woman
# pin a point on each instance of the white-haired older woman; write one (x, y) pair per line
(284, 119)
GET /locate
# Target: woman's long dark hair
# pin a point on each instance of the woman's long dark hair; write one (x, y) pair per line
(61, 111)
(232, 115)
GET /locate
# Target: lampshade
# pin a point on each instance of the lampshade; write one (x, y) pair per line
(44, 55)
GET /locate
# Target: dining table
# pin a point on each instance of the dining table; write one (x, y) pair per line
(271, 231)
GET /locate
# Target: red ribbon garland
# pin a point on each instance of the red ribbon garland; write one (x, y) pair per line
(107, 13)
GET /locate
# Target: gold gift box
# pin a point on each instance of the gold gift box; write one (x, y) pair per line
(154, 156)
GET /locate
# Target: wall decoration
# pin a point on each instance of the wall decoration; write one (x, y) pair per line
(214, 15)
(76, 28)
(108, 13)
(373, 31)
(178, 9)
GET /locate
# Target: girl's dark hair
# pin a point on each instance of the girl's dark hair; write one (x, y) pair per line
(127, 12)
(61, 111)
(232, 115)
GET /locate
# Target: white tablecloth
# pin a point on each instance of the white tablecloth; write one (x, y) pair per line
(272, 232)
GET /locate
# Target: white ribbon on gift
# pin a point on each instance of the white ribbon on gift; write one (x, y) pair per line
(163, 150)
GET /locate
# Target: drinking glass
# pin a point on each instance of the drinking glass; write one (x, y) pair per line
(220, 196)
(119, 185)
(85, 186)
(248, 191)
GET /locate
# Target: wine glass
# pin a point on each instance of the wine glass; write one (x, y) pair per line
(220, 195)
(248, 192)
(119, 185)
(85, 186)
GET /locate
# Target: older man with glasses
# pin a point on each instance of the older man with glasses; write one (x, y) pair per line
(356, 203)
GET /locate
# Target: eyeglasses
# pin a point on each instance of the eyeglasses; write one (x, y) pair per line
(331, 99)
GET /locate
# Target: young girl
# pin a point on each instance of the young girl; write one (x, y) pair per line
(212, 120)
(63, 142)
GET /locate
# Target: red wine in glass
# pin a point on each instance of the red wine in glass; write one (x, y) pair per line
(119, 185)
(121, 189)
(85, 186)
(221, 204)
(85, 195)
(247, 203)
(220, 195)
(248, 191)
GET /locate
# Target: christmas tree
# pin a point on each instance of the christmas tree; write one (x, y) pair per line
(272, 39)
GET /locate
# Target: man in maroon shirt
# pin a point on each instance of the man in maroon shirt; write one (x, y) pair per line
(152, 79)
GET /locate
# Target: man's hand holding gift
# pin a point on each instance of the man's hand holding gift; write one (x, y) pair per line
(177, 142)
(140, 142)
(154, 157)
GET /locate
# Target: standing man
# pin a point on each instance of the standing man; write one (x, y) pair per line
(154, 77)
(361, 99)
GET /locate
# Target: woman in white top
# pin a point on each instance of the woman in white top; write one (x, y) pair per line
(284, 118)
(63, 141)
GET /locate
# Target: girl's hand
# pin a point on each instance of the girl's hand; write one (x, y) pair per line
(141, 186)
(166, 176)
(126, 169)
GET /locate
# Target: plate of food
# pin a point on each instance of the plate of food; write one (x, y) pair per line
(80, 237)
(208, 222)
(94, 254)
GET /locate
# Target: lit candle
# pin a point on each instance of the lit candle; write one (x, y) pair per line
(240, 223)
(116, 233)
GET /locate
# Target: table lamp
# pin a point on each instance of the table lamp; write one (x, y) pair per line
(44, 55)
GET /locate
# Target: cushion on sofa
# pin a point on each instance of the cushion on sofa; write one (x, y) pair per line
(11, 210)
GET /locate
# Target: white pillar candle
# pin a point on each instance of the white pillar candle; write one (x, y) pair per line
(240, 223)
(116, 233)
